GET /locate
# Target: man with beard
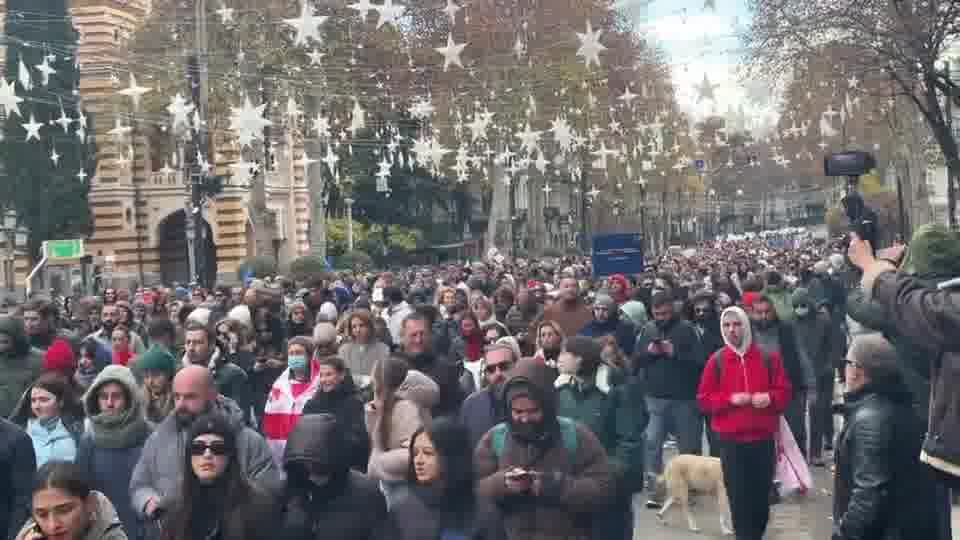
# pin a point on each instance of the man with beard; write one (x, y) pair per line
(202, 349)
(40, 324)
(484, 409)
(109, 318)
(670, 353)
(707, 324)
(522, 315)
(549, 475)
(325, 499)
(775, 336)
(20, 364)
(417, 344)
(569, 311)
(155, 485)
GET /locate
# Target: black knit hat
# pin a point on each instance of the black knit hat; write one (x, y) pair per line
(214, 424)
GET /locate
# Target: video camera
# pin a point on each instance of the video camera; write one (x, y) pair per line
(863, 219)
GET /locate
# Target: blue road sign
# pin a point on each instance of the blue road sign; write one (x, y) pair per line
(700, 164)
(617, 254)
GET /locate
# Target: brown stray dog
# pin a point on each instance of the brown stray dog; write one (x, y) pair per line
(686, 474)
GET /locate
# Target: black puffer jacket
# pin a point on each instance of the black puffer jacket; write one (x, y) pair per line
(345, 404)
(17, 467)
(349, 506)
(423, 515)
(882, 490)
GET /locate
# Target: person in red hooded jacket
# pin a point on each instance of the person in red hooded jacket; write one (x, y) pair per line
(744, 391)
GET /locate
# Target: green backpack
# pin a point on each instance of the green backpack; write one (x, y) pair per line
(568, 432)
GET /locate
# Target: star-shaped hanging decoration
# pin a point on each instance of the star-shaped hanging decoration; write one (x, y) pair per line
(9, 100)
(180, 110)
(593, 193)
(705, 89)
(55, 157)
(63, 120)
(225, 13)
(478, 128)
(451, 53)
(248, 121)
(389, 12)
(363, 7)
(316, 57)
(627, 97)
(45, 70)
(331, 159)
(33, 128)
(590, 46)
(321, 125)
(82, 175)
(134, 91)
(562, 133)
(451, 10)
(529, 139)
(307, 24)
(422, 108)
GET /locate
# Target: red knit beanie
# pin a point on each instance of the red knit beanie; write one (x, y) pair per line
(749, 298)
(60, 357)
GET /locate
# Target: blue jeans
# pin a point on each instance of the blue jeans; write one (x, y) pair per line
(680, 416)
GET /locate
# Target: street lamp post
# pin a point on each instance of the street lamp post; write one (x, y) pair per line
(349, 201)
(9, 230)
(736, 219)
(642, 183)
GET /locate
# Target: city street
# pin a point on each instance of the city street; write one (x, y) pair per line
(807, 518)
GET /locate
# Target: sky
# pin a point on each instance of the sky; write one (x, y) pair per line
(702, 40)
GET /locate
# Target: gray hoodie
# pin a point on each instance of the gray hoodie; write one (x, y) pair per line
(159, 472)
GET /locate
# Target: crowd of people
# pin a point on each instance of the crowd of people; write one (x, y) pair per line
(499, 399)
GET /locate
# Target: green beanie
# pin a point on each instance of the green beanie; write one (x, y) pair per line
(157, 358)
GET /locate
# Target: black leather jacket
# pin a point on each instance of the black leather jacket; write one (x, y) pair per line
(882, 491)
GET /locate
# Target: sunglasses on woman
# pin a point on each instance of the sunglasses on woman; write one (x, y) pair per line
(502, 366)
(199, 448)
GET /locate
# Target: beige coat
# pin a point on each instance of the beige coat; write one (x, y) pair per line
(415, 397)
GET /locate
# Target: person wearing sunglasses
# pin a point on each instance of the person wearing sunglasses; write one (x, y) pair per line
(217, 501)
(484, 408)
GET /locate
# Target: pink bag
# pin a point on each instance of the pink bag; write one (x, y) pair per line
(792, 474)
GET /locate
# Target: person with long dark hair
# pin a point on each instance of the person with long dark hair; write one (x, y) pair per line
(51, 414)
(217, 502)
(402, 399)
(65, 507)
(442, 502)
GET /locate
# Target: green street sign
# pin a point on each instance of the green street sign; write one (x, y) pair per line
(63, 249)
